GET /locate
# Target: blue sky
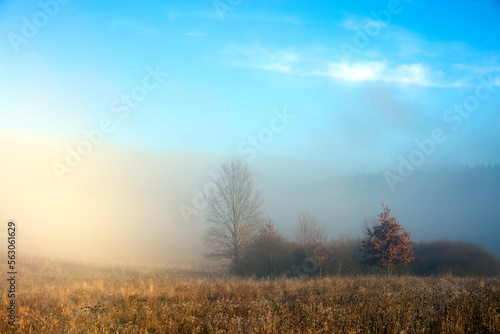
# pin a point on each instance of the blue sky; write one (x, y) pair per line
(362, 86)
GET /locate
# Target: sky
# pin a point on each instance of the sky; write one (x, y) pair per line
(343, 87)
(361, 82)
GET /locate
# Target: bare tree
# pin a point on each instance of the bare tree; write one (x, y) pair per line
(234, 213)
(305, 230)
(387, 244)
(312, 238)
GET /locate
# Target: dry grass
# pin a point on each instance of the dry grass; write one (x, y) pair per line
(67, 297)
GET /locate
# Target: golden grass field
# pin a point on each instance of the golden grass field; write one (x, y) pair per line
(56, 296)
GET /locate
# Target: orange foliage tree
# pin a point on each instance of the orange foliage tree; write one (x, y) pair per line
(387, 244)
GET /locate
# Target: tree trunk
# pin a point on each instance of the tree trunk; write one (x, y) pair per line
(270, 264)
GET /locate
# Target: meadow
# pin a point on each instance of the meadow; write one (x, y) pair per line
(62, 296)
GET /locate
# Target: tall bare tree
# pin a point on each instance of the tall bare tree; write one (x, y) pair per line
(308, 233)
(234, 213)
(387, 244)
(312, 237)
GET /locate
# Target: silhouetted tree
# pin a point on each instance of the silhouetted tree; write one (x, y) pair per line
(234, 214)
(387, 244)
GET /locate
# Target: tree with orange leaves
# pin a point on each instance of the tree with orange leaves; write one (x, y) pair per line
(387, 244)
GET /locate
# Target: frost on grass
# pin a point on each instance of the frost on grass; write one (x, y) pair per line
(66, 297)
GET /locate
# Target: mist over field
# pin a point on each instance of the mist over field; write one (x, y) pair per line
(133, 206)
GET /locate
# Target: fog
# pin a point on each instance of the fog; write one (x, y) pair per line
(118, 205)
(132, 206)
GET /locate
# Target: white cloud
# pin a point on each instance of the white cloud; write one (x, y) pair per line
(416, 74)
(290, 62)
(354, 72)
(257, 57)
(423, 71)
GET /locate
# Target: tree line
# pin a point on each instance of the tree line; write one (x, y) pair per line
(250, 244)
